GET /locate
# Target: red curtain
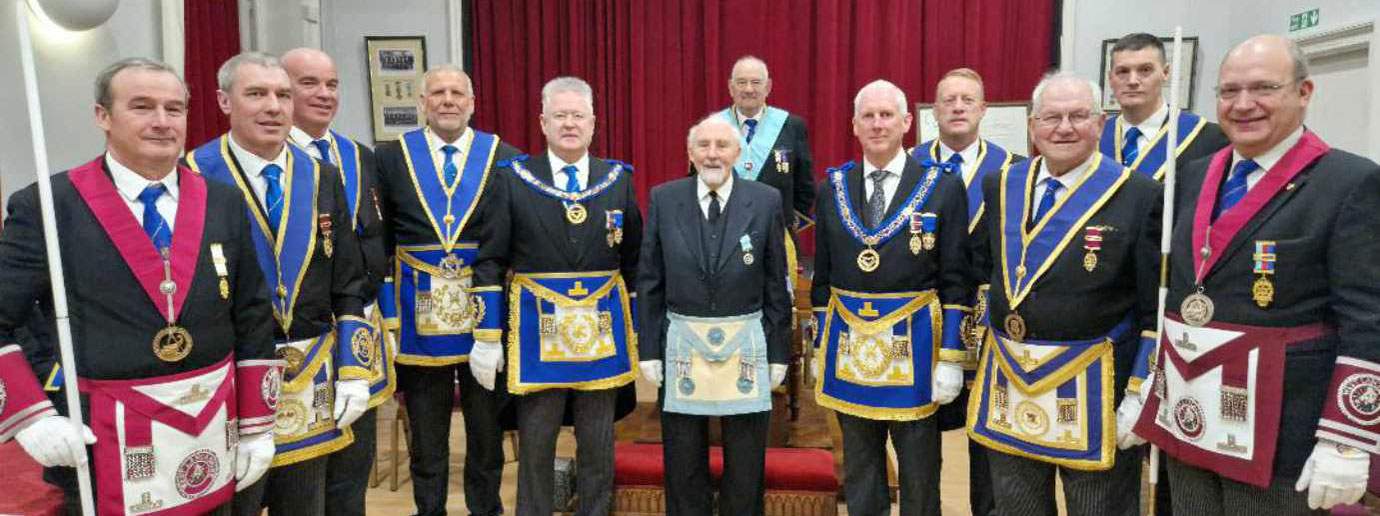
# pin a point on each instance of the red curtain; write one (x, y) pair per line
(212, 34)
(657, 66)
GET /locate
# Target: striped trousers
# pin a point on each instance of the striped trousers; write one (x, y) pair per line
(1025, 487)
(1198, 491)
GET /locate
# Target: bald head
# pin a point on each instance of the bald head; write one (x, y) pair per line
(1263, 92)
(314, 89)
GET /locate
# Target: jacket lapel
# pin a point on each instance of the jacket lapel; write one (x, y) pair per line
(591, 231)
(738, 209)
(550, 212)
(1244, 236)
(687, 223)
(910, 175)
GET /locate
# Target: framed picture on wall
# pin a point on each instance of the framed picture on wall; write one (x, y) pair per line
(1190, 71)
(1004, 124)
(396, 65)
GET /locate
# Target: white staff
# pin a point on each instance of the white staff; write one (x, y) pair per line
(1167, 218)
(50, 238)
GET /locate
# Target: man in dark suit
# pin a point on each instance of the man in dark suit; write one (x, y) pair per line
(891, 285)
(1069, 244)
(152, 254)
(775, 144)
(713, 302)
(315, 275)
(434, 185)
(959, 106)
(1137, 136)
(567, 225)
(315, 99)
(1268, 369)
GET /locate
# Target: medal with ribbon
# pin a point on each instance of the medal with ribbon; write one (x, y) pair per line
(783, 160)
(746, 243)
(613, 222)
(868, 259)
(1263, 291)
(323, 221)
(575, 212)
(1092, 242)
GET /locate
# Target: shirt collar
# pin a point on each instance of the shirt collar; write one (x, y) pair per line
(1269, 158)
(1151, 126)
(724, 190)
(742, 119)
(969, 154)
(435, 142)
(581, 165)
(1069, 179)
(299, 137)
(130, 184)
(895, 166)
(253, 164)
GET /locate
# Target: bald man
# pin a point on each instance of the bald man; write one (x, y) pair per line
(316, 99)
(1266, 402)
(434, 187)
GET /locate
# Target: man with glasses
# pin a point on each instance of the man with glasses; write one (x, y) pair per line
(1137, 137)
(1266, 397)
(1069, 243)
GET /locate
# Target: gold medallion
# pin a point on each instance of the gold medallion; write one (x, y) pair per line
(294, 357)
(327, 247)
(449, 219)
(575, 213)
(224, 288)
(282, 291)
(451, 266)
(1015, 326)
(172, 343)
(915, 244)
(1031, 419)
(929, 240)
(1263, 291)
(748, 259)
(292, 417)
(869, 260)
(1196, 309)
(1090, 261)
(1020, 272)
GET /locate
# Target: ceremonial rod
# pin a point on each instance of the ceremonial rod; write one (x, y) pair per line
(50, 237)
(1167, 218)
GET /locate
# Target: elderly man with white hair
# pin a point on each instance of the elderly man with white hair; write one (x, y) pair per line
(1069, 243)
(715, 321)
(891, 285)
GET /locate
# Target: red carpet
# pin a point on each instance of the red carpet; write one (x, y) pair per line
(22, 490)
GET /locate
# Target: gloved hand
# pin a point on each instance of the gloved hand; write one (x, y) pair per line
(351, 400)
(1335, 474)
(651, 370)
(1147, 386)
(1126, 415)
(948, 381)
(53, 442)
(486, 360)
(778, 375)
(252, 457)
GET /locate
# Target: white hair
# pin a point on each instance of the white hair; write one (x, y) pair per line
(1094, 101)
(574, 85)
(450, 68)
(225, 76)
(711, 120)
(751, 59)
(883, 86)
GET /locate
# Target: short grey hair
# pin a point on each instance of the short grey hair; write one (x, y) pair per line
(712, 119)
(225, 76)
(754, 60)
(447, 68)
(1300, 60)
(1094, 101)
(885, 86)
(574, 85)
(104, 97)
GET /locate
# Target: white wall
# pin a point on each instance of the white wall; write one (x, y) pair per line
(67, 65)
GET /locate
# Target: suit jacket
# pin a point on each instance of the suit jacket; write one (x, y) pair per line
(1207, 141)
(797, 188)
(1325, 271)
(674, 274)
(368, 216)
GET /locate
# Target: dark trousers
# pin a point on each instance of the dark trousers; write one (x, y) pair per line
(347, 470)
(293, 490)
(430, 396)
(1025, 487)
(539, 424)
(1201, 492)
(864, 465)
(980, 499)
(685, 452)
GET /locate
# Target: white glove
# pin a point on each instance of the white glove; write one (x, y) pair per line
(486, 360)
(1146, 386)
(351, 400)
(252, 457)
(651, 370)
(1126, 415)
(1335, 474)
(948, 381)
(778, 375)
(52, 442)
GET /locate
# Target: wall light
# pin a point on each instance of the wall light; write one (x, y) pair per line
(73, 15)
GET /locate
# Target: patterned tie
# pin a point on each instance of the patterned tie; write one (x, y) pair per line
(955, 164)
(273, 198)
(1129, 150)
(876, 203)
(752, 128)
(154, 225)
(1052, 186)
(1235, 189)
(325, 148)
(572, 181)
(715, 209)
(449, 168)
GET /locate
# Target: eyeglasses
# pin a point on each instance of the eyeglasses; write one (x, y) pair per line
(1052, 120)
(1257, 90)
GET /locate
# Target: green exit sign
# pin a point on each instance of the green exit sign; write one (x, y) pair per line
(1304, 20)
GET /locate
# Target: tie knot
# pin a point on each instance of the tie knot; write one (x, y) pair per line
(1053, 185)
(152, 193)
(570, 170)
(273, 172)
(751, 123)
(956, 159)
(1244, 167)
(877, 175)
(1132, 134)
(450, 150)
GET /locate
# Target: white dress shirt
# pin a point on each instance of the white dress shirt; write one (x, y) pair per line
(702, 191)
(1266, 160)
(130, 185)
(889, 182)
(253, 167)
(970, 157)
(1149, 128)
(558, 178)
(301, 139)
(742, 119)
(1067, 181)
(438, 156)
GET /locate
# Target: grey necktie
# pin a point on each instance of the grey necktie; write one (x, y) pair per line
(876, 203)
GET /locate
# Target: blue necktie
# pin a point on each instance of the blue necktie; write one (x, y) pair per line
(1052, 186)
(1235, 189)
(955, 164)
(449, 168)
(572, 182)
(273, 198)
(752, 128)
(1129, 150)
(325, 148)
(154, 225)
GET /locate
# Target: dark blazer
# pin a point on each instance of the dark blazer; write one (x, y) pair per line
(1324, 228)
(797, 188)
(369, 223)
(674, 274)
